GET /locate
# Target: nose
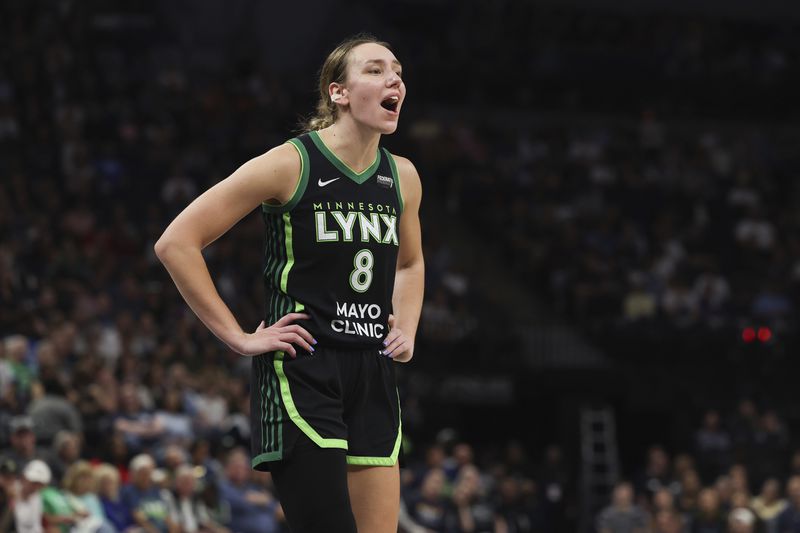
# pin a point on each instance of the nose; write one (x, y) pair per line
(394, 80)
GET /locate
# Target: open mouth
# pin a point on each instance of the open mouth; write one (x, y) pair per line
(390, 104)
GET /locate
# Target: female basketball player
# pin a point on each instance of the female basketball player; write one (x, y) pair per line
(344, 283)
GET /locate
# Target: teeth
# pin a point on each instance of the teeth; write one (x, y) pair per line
(394, 98)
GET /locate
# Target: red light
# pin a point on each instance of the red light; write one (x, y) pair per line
(748, 334)
(764, 334)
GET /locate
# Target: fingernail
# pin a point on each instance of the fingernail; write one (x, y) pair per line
(384, 343)
(314, 341)
(312, 349)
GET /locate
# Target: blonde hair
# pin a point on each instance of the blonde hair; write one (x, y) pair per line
(107, 471)
(334, 70)
(77, 470)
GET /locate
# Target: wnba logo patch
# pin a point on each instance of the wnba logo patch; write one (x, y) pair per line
(386, 183)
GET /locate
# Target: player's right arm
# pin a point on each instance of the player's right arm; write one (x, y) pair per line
(270, 177)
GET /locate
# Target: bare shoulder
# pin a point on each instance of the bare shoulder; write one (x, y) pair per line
(409, 177)
(280, 169)
(283, 157)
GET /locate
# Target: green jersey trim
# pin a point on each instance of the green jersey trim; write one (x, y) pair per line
(358, 177)
(379, 461)
(287, 228)
(302, 183)
(382, 461)
(294, 414)
(271, 407)
(266, 457)
(396, 176)
(284, 279)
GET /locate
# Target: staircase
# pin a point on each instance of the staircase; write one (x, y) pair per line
(599, 461)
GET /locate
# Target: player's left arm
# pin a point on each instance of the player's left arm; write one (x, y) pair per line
(409, 282)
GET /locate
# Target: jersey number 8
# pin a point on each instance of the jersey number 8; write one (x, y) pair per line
(361, 277)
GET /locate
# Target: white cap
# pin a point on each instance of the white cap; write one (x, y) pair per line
(142, 460)
(37, 472)
(742, 515)
(158, 475)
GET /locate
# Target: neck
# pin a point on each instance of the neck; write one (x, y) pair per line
(352, 143)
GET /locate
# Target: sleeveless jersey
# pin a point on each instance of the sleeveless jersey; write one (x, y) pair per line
(331, 250)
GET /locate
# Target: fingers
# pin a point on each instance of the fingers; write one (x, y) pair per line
(285, 320)
(391, 336)
(398, 346)
(394, 340)
(295, 338)
(286, 347)
(294, 328)
(261, 326)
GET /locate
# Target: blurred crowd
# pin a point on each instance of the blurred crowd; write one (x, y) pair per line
(739, 474)
(633, 224)
(65, 486)
(119, 410)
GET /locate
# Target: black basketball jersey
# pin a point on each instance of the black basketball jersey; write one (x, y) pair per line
(331, 250)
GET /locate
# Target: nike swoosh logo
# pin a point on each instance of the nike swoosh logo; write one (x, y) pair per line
(324, 183)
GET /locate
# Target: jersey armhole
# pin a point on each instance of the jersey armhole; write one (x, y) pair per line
(396, 176)
(299, 189)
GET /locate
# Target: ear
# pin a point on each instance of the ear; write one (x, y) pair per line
(338, 94)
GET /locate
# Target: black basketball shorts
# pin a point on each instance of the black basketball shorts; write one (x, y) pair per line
(338, 398)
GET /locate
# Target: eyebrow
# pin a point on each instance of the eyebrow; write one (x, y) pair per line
(394, 62)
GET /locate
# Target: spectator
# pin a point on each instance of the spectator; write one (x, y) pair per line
(8, 391)
(23, 443)
(789, 519)
(62, 515)
(517, 505)
(656, 473)
(138, 427)
(51, 413)
(690, 487)
(17, 348)
(200, 452)
(663, 500)
(622, 516)
(186, 508)
(744, 425)
(251, 509)
(174, 419)
(713, 446)
(741, 521)
(768, 505)
(668, 522)
(771, 446)
(742, 500)
(28, 506)
(724, 489)
(474, 512)
(66, 450)
(429, 507)
(739, 479)
(114, 509)
(145, 501)
(80, 486)
(8, 483)
(709, 517)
